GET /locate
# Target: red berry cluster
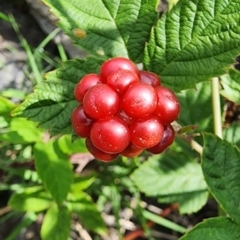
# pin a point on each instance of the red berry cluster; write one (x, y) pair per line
(123, 111)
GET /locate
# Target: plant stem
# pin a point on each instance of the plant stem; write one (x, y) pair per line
(216, 107)
(196, 146)
(217, 119)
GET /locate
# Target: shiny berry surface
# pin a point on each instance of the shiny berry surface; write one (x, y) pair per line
(87, 82)
(101, 101)
(80, 122)
(115, 64)
(131, 151)
(139, 101)
(167, 140)
(149, 78)
(121, 80)
(168, 106)
(97, 153)
(146, 133)
(110, 135)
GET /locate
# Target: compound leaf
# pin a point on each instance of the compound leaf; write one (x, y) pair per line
(231, 86)
(196, 40)
(214, 228)
(5, 105)
(173, 177)
(86, 209)
(32, 199)
(221, 167)
(197, 100)
(68, 146)
(189, 202)
(232, 134)
(56, 223)
(21, 131)
(52, 102)
(110, 28)
(54, 168)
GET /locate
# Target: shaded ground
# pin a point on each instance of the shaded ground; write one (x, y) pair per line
(13, 58)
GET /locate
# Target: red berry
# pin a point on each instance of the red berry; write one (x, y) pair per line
(168, 106)
(110, 135)
(124, 111)
(147, 132)
(122, 115)
(101, 101)
(131, 151)
(100, 155)
(139, 101)
(149, 78)
(87, 82)
(120, 80)
(115, 64)
(81, 123)
(167, 140)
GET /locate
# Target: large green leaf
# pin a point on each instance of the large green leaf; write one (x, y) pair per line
(221, 167)
(82, 183)
(54, 169)
(173, 177)
(32, 199)
(231, 86)
(68, 146)
(193, 42)
(219, 228)
(21, 131)
(56, 223)
(232, 134)
(86, 209)
(110, 28)
(5, 105)
(192, 102)
(189, 201)
(52, 102)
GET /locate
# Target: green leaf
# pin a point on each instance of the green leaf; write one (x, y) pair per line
(221, 167)
(52, 102)
(32, 199)
(54, 168)
(232, 134)
(189, 201)
(56, 223)
(5, 105)
(85, 208)
(219, 228)
(173, 176)
(68, 146)
(172, 3)
(110, 28)
(82, 183)
(195, 41)
(196, 100)
(13, 93)
(22, 131)
(4, 17)
(231, 86)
